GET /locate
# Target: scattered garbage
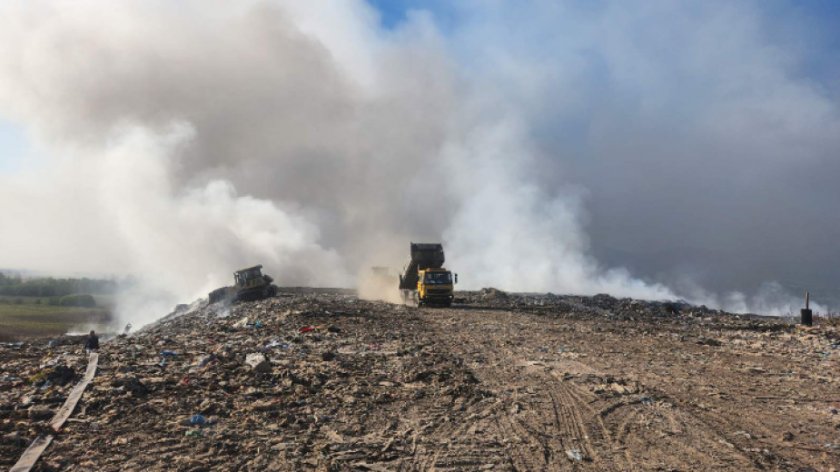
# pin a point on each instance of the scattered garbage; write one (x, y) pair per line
(130, 384)
(206, 360)
(275, 343)
(491, 293)
(236, 389)
(304, 381)
(198, 420)
(574, 454)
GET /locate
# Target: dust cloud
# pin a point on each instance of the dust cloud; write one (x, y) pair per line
(379, 283)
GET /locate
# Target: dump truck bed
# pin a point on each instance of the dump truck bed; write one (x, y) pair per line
(423, 256)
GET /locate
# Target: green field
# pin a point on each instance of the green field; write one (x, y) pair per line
(26, 319)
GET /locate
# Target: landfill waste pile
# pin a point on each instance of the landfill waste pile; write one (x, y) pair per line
(320, 380)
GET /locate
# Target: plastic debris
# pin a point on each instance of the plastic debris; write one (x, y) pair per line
(574, 454)
(198, 420)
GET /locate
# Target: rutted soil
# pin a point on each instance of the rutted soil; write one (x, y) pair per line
(498, 383)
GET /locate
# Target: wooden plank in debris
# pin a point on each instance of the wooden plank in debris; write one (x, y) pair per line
(70, 404)
(31, 454)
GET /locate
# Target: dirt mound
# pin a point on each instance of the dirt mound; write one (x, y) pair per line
(491, 293)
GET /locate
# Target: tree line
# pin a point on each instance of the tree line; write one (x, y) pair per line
(17, 286)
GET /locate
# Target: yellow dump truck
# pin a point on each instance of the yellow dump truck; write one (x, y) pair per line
(425, 281)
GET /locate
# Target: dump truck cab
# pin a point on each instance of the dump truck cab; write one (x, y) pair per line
(436, 286)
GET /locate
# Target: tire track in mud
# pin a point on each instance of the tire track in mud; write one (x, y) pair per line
(518, 454)
(437, 439)
(454, 443)
(717, 424)
(521, 443)
(671, 436)
(596, 443)
(563, 424)
(555, 427)
(451, 445)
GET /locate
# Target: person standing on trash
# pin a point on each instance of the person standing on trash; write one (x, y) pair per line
(92, 343)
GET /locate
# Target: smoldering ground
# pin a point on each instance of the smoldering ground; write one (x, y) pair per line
(180, 142)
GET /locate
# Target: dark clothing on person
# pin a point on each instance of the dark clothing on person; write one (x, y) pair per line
(92, 342)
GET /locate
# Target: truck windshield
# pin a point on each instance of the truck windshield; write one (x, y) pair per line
(438, 278)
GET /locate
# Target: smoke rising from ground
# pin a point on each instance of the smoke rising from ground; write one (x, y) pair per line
(185, 141)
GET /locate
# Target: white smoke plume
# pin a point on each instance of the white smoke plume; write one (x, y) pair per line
(185, 140)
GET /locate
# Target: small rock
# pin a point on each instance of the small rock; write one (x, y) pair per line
(258, 362)
(15, 439)
(131, 384)
(40, 413)
(709, 342)
(787, 436)
(61, 375)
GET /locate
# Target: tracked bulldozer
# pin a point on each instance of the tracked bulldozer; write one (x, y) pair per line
(249, 284)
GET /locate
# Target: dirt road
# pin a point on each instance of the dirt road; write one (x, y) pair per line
(497, 383)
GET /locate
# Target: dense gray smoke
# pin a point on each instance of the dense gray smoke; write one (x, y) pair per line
(181, 141)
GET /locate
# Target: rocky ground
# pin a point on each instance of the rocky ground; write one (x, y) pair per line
(319, 380)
